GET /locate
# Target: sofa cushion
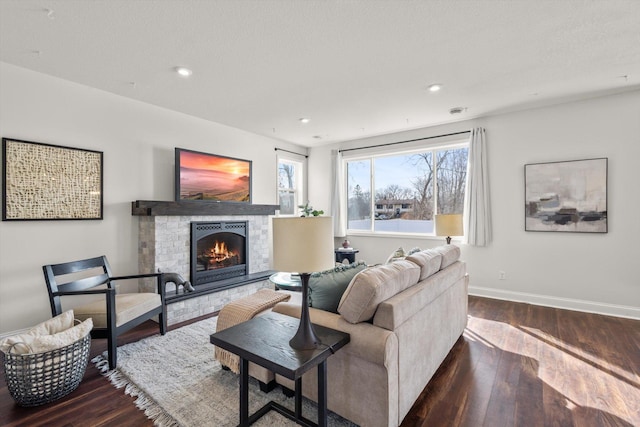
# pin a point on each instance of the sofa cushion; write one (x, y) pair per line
(398, 309)
(429, 262)
(450, 254)
(326, 287)
(372, 286)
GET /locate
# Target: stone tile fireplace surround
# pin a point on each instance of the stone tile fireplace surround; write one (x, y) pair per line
(164, 245)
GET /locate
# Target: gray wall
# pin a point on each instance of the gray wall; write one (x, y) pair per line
(590, 272)
(138, 141)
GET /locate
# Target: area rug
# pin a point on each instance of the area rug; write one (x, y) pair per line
(177, 382)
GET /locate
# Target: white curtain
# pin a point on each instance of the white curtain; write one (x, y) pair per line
(338, 209)
(477, 209)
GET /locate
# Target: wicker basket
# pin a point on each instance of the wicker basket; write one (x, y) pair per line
(36, 379)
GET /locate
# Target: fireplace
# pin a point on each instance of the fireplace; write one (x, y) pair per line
(218, 252)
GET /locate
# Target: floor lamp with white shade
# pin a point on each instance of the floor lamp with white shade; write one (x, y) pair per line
(303, 245)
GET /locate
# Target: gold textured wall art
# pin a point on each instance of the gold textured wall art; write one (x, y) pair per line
(44, 181)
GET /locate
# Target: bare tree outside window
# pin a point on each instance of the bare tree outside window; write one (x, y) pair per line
(288, 183)
(452, 177)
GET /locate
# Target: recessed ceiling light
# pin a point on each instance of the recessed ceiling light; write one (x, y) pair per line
(184, 71)
(435, 87)
(304, 120)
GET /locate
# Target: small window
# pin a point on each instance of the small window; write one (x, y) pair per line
(290, 186)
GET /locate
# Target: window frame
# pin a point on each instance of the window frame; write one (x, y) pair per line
(300, 180)
(371, 155)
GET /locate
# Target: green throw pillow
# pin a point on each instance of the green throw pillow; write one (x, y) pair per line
(326, 287)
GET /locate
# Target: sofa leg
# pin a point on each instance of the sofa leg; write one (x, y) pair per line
(267, 387)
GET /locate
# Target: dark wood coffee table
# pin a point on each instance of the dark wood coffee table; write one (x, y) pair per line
(264, 340)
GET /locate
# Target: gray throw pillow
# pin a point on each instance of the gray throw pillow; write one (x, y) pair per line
(326, 287)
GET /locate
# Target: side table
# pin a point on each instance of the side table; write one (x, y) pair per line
(348, 254)
(264, 340)
(285, 282)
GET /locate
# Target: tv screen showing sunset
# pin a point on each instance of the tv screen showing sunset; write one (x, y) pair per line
(210, 177)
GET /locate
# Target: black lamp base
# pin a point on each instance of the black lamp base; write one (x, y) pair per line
(305, 338)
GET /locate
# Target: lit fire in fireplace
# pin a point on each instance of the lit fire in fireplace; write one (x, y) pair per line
(219, 255)
(219, 252)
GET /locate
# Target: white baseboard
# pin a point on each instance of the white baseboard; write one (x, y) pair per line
(558, 302)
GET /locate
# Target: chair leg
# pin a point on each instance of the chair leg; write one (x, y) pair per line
(162, 320)
(112, 350)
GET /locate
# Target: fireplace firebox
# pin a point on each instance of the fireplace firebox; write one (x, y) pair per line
(218, 252)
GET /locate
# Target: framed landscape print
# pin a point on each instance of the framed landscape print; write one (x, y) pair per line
(50, 182)
(568, 196)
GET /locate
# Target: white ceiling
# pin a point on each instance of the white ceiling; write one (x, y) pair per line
(356, 68)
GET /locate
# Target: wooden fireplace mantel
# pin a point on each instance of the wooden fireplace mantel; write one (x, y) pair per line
(198, 207)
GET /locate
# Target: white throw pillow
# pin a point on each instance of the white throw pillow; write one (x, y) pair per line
(60, 323)
(47, 335)
(44, 343)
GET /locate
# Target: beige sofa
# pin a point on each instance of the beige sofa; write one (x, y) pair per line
(403, 318)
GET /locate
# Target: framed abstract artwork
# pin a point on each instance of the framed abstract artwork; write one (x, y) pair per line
(569, 196)
(50, 182)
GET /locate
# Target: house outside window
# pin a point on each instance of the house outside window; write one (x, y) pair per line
(290, 185)
(410, 188)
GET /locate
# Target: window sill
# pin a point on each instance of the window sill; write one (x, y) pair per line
(356, 233)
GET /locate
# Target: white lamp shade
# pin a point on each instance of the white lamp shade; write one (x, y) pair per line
(303, 244)
(449, 225)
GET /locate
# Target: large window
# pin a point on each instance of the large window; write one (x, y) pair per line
(290, 185)
(410, 188)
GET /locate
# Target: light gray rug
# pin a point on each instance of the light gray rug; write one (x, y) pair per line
(177, 382)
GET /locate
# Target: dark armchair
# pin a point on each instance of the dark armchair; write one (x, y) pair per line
(113, 314)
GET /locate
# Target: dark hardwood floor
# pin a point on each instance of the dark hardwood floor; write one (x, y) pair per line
(516, 365)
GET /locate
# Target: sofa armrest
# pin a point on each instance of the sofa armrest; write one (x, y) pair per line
(368, 342)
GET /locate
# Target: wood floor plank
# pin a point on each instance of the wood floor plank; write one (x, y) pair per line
(515, 365)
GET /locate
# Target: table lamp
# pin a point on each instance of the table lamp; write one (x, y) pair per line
(449, 225)
(303, 245)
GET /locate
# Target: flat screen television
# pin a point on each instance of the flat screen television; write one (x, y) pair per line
(204, 176)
